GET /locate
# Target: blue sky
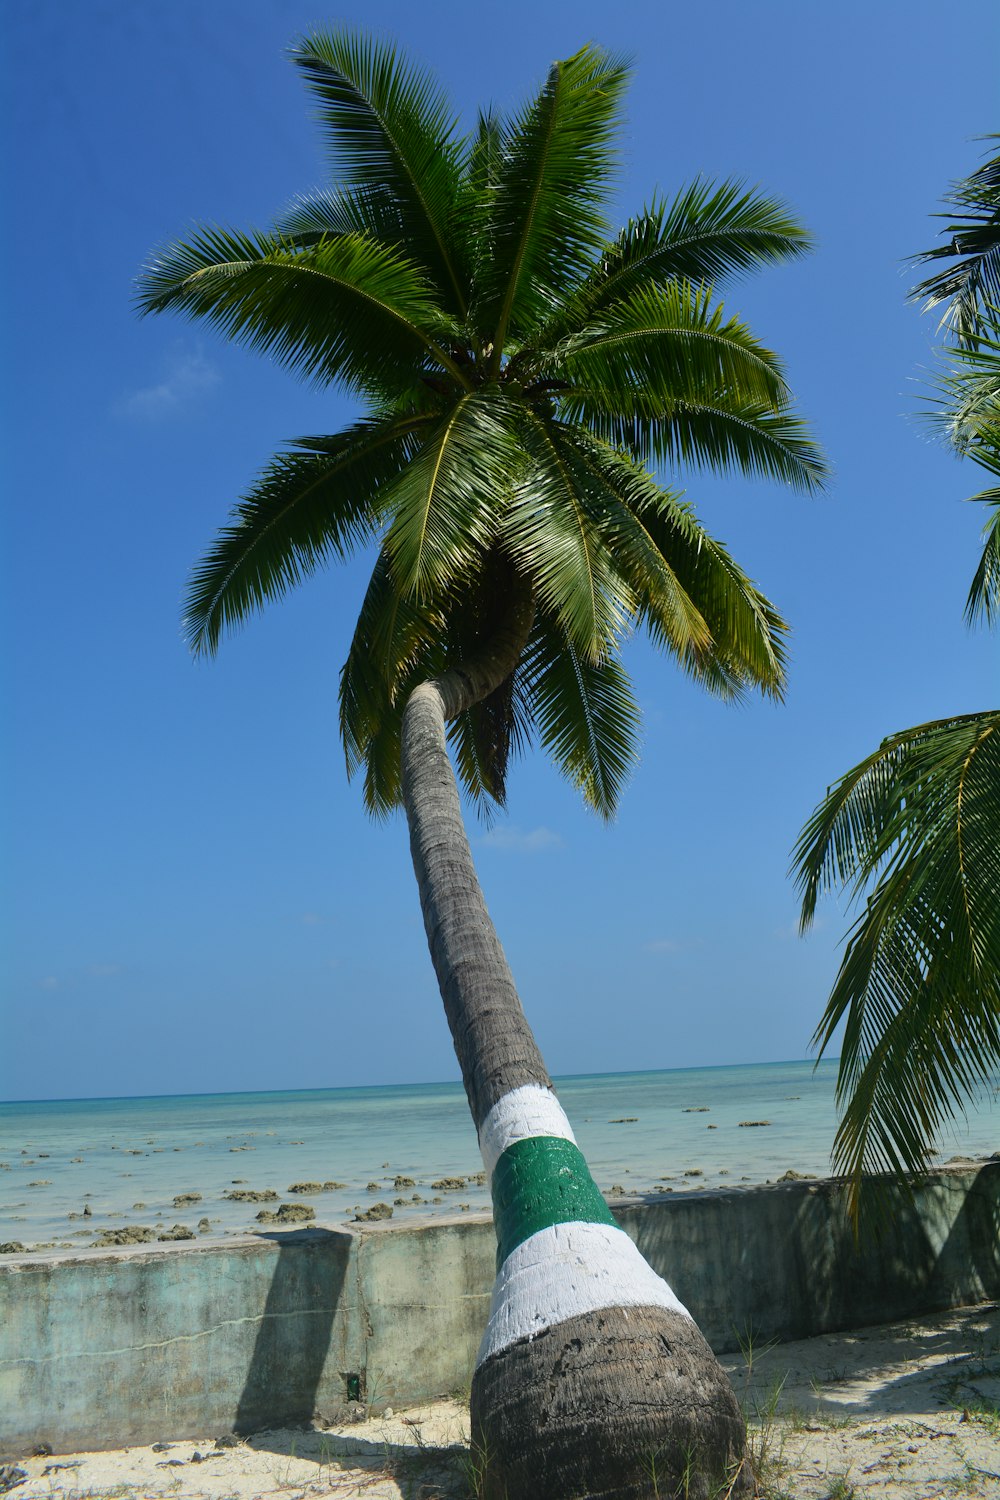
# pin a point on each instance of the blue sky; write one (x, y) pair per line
(196, 898)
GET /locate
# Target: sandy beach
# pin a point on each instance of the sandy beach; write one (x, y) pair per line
(906, 1411)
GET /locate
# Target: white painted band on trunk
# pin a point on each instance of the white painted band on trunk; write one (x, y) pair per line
(564, 1271)
(529, 1110)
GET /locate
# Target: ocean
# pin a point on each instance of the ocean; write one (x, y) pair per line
(128, 1159)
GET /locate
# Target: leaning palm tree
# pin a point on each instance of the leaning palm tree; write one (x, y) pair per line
(913, 832)
(521, 370)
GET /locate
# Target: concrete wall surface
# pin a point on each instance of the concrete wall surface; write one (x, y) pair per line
(101, 1348)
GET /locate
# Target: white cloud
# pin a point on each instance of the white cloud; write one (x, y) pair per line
(50, 982)
(188, 375)
(520, 840)
(104, 971)
(661, 945)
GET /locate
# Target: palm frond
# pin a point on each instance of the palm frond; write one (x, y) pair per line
(313, 504)
(972, 279)
(547, 530)
(369, 210)
(983, 602)
(693, 598)
(445, 507)
(547, 198)
(710, 233)
(396, 643)
(345, 309)
(669, 345)
(723, 436)
(586, 715)
(387, 123)
(919, 985)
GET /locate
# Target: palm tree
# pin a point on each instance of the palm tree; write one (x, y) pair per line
(917, 823)
(521, 369)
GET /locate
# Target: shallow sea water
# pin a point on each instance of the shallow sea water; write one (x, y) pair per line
(638, 1131)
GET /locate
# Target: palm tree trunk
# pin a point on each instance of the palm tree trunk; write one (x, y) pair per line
(592, 1379)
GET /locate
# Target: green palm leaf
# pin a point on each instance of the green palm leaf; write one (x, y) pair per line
(972, 280)
(546, 222)
(671, 344)
(710, 233)
(693, 598)
(311, 505)
(445, 507)
(983, 602)
(546, 530)
(396, 644)
(347, 309)
(587, 717)
(727, 435)
(389, 124)
(919, 985)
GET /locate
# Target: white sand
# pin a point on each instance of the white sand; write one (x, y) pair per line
(910, 1411)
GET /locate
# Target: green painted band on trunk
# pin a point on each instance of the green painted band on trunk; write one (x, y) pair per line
(540, 1182)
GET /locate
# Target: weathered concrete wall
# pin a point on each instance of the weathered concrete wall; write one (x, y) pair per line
(105, 1347)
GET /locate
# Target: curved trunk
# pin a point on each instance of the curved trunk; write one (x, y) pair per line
(592, 1379)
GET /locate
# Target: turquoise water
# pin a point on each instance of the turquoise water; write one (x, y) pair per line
(639, 1131)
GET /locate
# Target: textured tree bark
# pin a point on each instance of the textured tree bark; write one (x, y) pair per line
(592, 1382)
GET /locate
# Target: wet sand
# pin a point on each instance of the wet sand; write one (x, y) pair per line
(907, 1411)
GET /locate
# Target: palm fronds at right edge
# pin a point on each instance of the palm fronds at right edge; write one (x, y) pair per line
(919, 984)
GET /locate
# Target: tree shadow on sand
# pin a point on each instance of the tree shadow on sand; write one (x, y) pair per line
(433, 1471)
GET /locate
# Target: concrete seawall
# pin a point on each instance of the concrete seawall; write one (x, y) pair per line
(101, 1348)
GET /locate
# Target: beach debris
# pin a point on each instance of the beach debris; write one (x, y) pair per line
(160, 1448)
(711, 1127)
(750, 1124)
(478, 1179)
(288, 1213)
(228, 1440)
(402, 1182)
(416, 1198)
(333, 1187)
(373, 1187)
(792, 1176)
(377, 1211)
(625, 1120)
(134, 1205)
(203, 1226)
(42, 1182)
(449, 1184)
(306, 1187)
(616, 1191)
(694, 1172)
(179, 1232)
(251, 1195)
(697, 1109)
(184, 1200)
(130, 1234)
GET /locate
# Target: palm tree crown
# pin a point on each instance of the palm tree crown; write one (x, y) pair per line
(521, 370)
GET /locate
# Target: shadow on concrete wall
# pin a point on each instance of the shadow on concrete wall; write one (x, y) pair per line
(975, 1234)
(293, 1342)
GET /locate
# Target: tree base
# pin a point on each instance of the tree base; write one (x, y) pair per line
(620, 1404)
